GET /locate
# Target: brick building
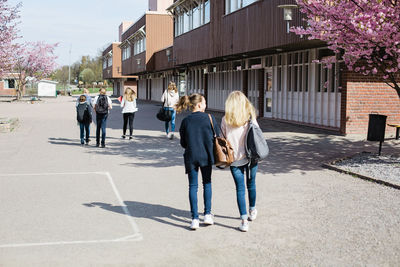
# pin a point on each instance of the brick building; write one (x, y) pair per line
(215, 47)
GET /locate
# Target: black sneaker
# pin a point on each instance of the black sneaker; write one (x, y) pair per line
(97, 145)
(103, 145)
(130, 137)
(123, 136)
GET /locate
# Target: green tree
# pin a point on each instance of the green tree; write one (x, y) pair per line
(87, 76)
(61, 76)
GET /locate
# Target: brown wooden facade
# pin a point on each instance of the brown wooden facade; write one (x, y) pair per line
(112, 70)
(254, 30)
(159, 35)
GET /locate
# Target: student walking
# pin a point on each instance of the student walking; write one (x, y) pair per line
(102, 106)
(89, 101)
(170, 97)
(234, 125)
(84, 118)
(128, 105)
(197, 140)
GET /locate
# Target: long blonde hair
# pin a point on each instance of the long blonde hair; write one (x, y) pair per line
(238, 109)
(190, 102)
(129, 94)
(172, 86)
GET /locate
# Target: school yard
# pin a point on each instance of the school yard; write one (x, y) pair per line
(63, 204)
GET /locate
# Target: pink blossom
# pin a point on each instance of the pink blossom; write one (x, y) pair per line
(367, 31)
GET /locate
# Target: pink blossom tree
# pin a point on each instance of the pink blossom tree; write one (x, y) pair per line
(366, 32)
(8, 33)
(34, 60)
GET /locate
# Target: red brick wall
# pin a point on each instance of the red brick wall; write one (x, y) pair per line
(362, 95)
(6, 92)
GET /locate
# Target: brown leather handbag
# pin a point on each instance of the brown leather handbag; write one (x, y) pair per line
(223, 151)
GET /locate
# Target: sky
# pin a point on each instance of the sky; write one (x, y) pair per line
(84, 26)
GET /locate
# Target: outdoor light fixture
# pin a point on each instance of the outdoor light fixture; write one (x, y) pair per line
(138, 61)
(288, 14)
(168, 54)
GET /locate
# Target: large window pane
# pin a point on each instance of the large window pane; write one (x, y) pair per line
(196, 17)
(247, 2)
(207, 12)
(186, 22)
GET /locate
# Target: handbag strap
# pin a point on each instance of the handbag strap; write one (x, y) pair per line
(212, 127)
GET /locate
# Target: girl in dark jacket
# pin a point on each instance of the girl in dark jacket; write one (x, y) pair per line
(197, 140)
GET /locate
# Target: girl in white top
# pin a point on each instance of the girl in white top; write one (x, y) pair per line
(234, 125)
(128, 105)
(170, 98)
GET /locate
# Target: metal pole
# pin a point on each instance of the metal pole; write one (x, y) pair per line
(69, 68)
(380, 148)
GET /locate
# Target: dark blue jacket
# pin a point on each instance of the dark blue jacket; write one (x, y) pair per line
(198, 140)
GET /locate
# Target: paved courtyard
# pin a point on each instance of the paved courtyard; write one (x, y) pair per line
(63, 204)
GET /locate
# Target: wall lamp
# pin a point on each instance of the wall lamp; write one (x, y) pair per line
(138, 60)
(168, 54)
(288, 14)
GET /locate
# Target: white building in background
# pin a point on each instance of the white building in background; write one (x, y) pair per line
(47, 88)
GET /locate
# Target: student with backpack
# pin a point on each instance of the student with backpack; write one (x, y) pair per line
(84, 118)
(197, 139)
(234, 125)
(102, 105)
(88, 101)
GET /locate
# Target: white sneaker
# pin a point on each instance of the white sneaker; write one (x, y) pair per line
(195, 224)
(244, 226)
(252, 215)
(208, 219)
(167, 135)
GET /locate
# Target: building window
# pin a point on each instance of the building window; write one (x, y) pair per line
(139, 45)
(191, 15)
(126, 52)
(104, 63)
(233, 5)
(9, 84)
(109, 62)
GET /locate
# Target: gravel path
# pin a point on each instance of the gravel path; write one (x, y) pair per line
(384, 167)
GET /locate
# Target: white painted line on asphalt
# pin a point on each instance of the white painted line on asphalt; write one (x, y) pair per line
(51, 173)
(121, 202)
(137, 236)
(131, 238)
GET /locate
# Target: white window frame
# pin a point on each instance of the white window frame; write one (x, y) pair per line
(184, 17)
(233, 5)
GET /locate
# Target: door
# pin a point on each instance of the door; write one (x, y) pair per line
(268, 93)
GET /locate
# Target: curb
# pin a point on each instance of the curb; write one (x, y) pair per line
(363, 177)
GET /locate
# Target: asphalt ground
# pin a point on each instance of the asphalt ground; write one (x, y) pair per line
(63, 204)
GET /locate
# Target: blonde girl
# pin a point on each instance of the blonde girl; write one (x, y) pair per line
(197, 140)
(170, 97)
(238, 111)
(128, 105)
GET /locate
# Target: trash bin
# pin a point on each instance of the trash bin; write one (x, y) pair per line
(376, 127)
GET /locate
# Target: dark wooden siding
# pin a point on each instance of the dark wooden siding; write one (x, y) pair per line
(159, 61)
(259, 26)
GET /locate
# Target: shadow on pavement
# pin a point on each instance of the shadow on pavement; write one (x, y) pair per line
(156, 212)
(287, 154)
(292, 147)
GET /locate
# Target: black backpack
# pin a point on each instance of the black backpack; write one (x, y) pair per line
(102, 105)
(82, 113)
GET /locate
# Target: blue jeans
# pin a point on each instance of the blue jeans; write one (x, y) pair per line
(207, 192)
(238, 176)
(172, 121)
(101, 121)
(84, 127)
